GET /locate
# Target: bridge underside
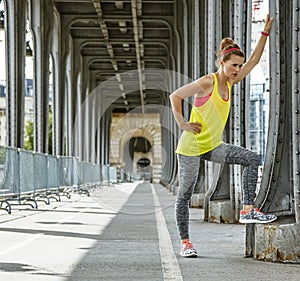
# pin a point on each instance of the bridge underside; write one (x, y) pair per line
(111, 66)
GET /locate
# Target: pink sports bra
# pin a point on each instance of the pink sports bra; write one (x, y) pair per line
(199, 101)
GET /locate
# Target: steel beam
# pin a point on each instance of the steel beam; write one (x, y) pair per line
(15, 36)
(296, 105)
(279, 191)
(40, 29)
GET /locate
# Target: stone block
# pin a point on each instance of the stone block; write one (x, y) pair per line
(221, 212)
(277, 242)
(197, 200)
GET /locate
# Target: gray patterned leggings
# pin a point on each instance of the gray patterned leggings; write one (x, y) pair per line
(188, 169)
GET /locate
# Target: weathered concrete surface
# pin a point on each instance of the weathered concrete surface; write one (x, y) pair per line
(277, 242)
(197, 200)
(221, 212)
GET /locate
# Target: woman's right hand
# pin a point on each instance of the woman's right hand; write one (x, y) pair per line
(193, 127)
(268, 24)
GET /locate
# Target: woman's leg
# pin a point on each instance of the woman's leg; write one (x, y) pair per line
(188, 169)
(231, 154)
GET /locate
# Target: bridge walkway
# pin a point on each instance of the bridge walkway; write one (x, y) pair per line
(124, 232)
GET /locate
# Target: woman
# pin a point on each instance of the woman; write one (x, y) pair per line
(202, 135)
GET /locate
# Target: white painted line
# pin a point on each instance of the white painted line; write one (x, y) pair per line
(21, 244)
(171, 270)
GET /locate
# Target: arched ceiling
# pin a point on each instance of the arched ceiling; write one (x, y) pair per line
(122, 36)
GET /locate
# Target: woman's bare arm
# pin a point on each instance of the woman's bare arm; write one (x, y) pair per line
(256, 54)
(200, 88)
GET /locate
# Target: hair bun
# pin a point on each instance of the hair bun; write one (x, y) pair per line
(226, 42)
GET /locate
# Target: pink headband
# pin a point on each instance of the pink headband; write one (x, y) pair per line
(230, 50)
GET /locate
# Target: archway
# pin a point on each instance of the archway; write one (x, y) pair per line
(144, 168)
(138, 156)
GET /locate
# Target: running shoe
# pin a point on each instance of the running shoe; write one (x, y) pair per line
(187, 250)
(256, 216)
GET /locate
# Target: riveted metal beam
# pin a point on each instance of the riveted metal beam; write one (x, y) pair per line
(279, 191)
(15, 36)
(296, 106)
(136, 6)
(40, 29)
(224, 181)
(276, 192)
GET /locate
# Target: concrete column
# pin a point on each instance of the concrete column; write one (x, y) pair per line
(15, 36)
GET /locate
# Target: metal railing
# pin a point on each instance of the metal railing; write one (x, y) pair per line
(27, 177)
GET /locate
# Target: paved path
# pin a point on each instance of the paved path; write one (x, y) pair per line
(124, 232)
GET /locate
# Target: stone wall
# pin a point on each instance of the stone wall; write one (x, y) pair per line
(126, 126)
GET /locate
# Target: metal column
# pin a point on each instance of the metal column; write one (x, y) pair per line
(279, 191)
(40, 29)
(15, 35)
(296, 105)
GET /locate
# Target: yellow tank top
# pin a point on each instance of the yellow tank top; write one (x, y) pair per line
(213, 116)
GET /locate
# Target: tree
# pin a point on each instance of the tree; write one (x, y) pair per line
(29, 141)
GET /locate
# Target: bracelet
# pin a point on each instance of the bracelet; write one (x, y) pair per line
(265, 33)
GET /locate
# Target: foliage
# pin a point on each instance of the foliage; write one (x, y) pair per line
(2, 156)
(29, 134)
(28, 141)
